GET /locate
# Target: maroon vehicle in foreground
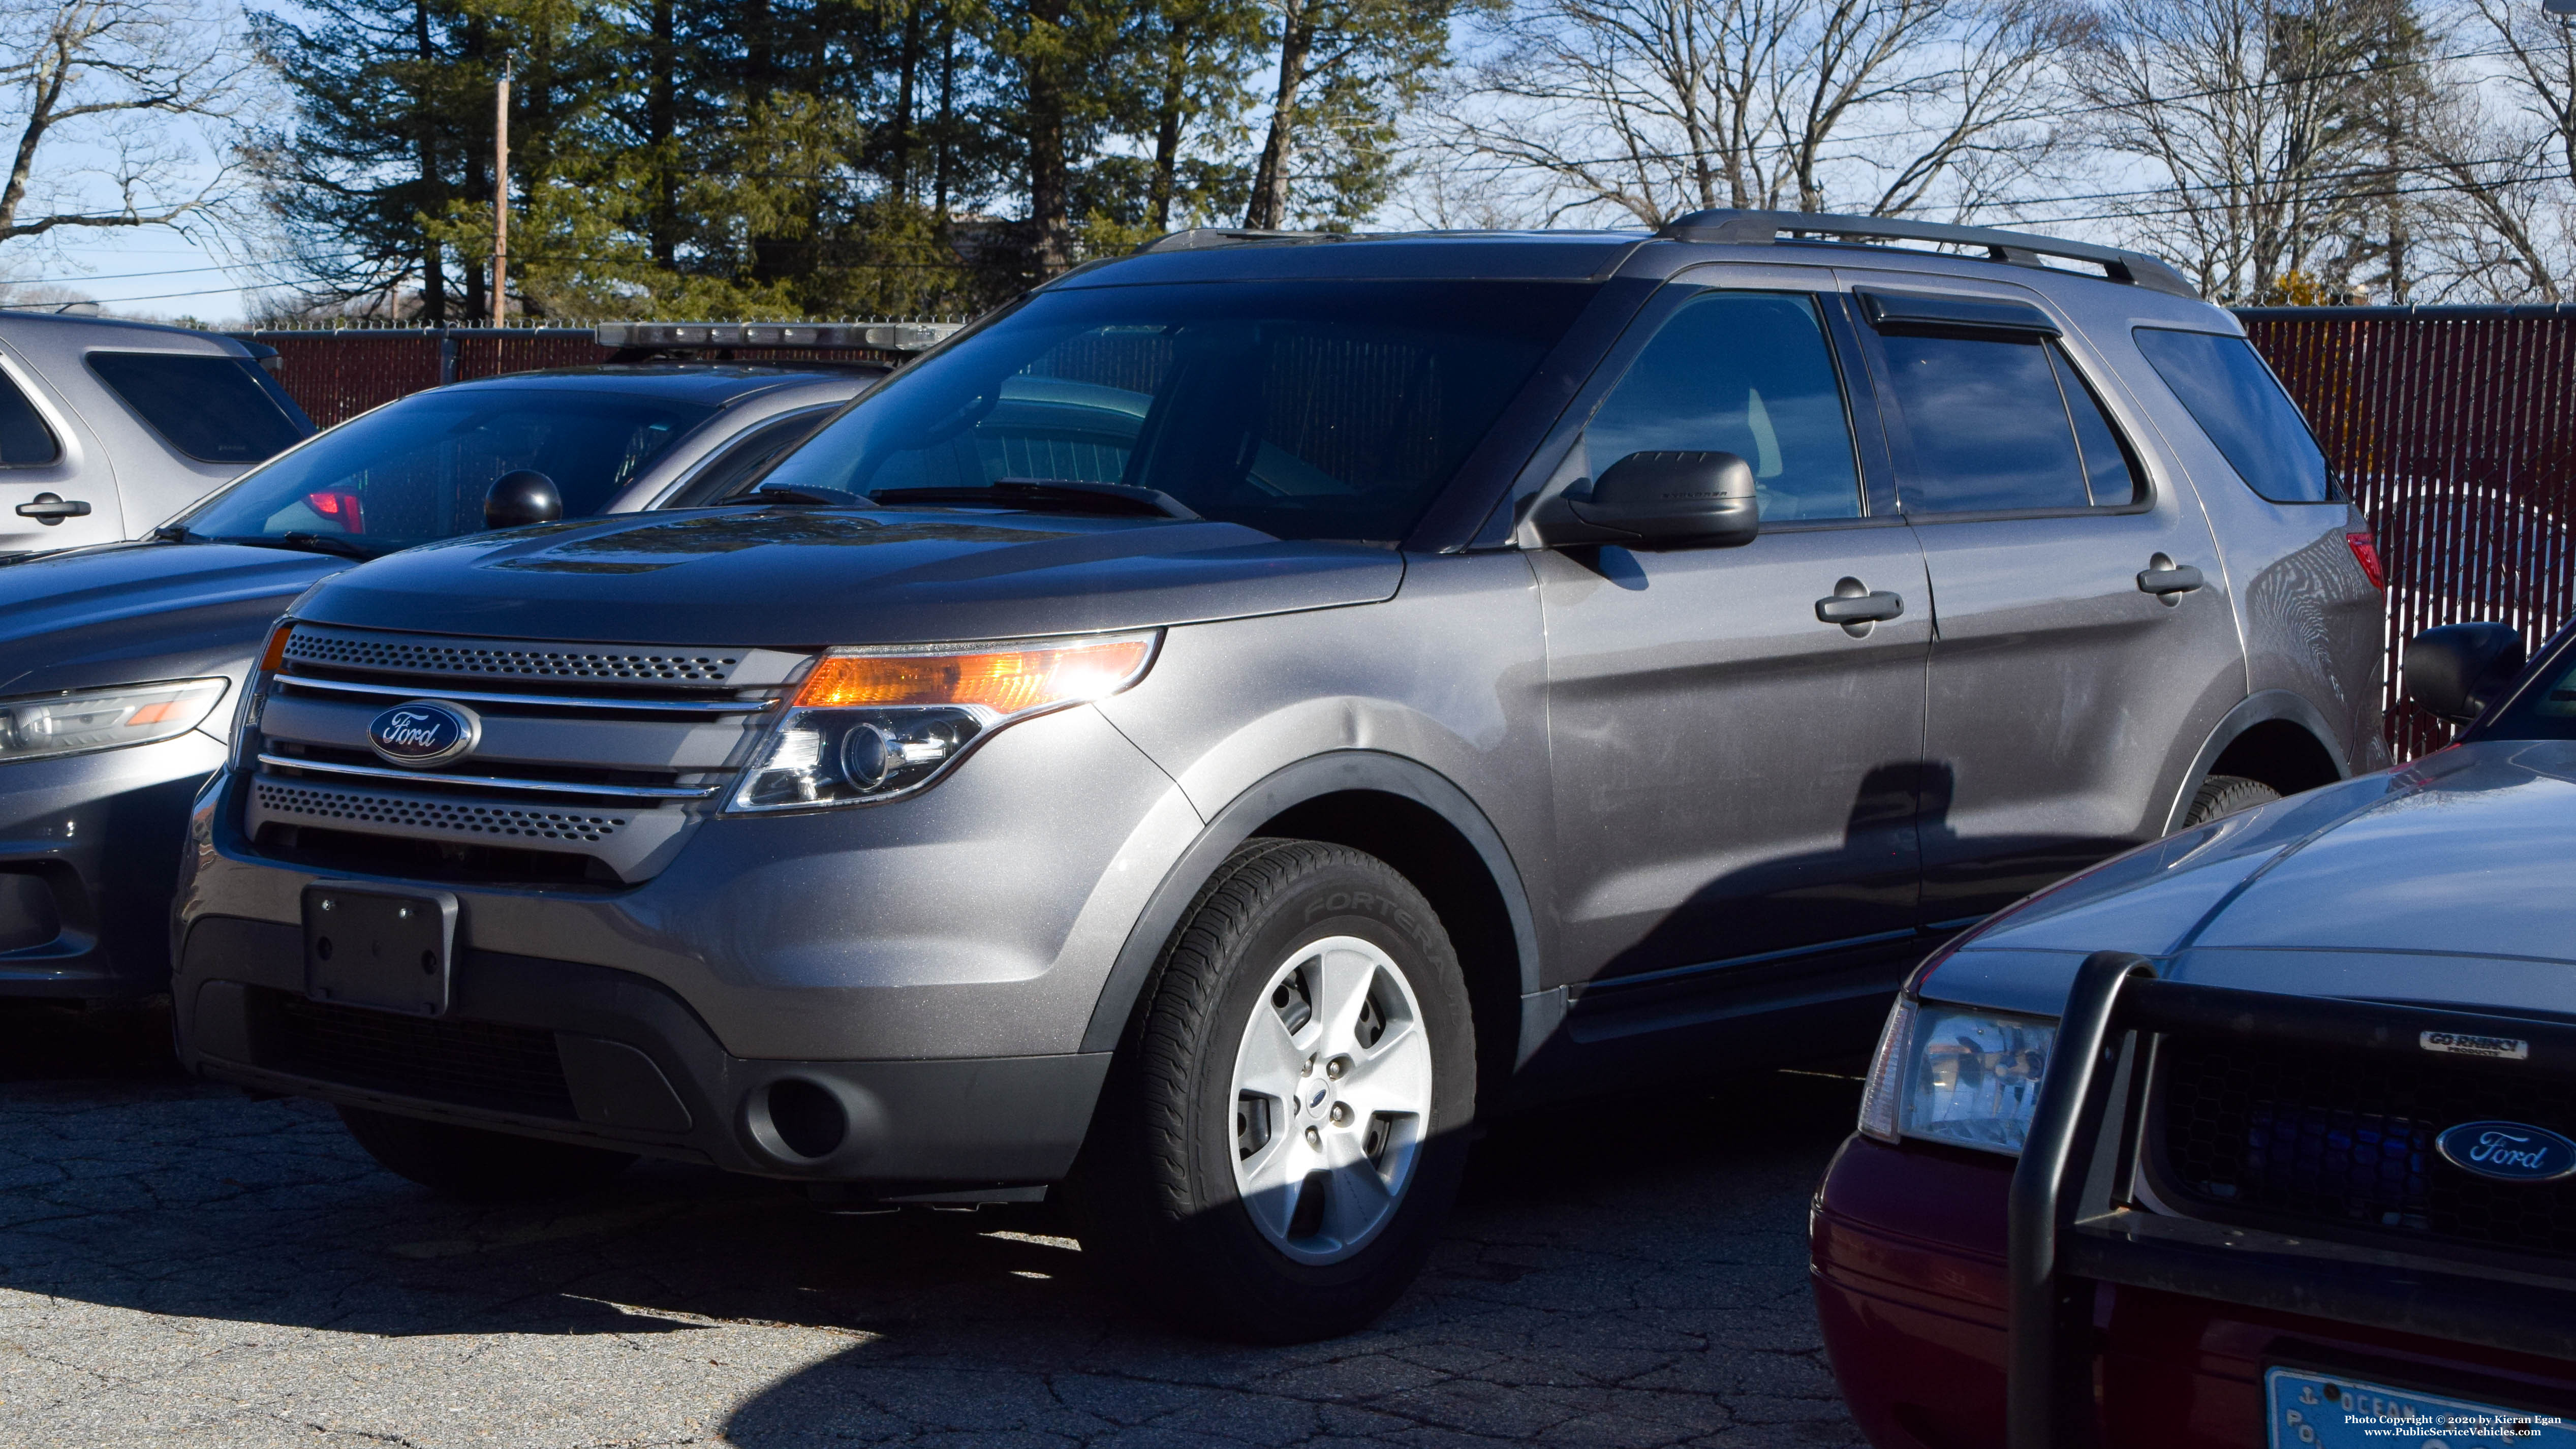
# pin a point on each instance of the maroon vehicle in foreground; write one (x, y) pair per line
(2262, 1135)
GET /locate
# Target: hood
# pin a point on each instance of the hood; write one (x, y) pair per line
(131, 612)
(811, 577)
(2441, 882)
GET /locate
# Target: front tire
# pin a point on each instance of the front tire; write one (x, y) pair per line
(1283, 1135)
(469, 1162)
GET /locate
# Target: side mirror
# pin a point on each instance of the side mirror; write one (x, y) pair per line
(1657, 500)
(2457, 670)
(526, 496)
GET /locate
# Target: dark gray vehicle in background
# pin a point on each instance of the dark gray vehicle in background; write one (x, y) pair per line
(118, 664)
(1201, 736)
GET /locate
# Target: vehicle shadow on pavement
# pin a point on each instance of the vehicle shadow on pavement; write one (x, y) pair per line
(180, 1263)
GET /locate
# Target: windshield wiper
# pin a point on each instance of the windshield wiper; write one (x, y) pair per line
(330, 543)
(1050, 495)
(805, 493)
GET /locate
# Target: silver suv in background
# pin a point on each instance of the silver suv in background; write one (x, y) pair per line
(108, 428)
(1200, 737)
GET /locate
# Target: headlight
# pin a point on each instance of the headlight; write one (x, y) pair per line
(1957, 1075)
(872, 724)
(103, 719)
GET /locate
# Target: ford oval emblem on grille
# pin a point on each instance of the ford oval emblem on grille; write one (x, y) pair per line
(2508, 1151)
(424, 732)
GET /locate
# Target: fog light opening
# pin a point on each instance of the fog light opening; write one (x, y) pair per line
(808, 1119)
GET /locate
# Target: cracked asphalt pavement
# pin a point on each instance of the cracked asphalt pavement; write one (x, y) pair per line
(180, 1264)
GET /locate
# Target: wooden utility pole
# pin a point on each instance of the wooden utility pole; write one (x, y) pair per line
(501, 199)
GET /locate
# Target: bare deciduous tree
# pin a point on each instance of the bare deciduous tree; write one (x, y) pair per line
(2497, 215)
(1648, 108)
(92, 88)
(2268, 121)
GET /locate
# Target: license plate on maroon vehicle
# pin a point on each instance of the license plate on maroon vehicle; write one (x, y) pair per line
(2309, 1408)
(388, 950)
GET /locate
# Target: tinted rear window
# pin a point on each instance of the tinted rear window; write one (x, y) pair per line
(1316, 409)
(24, 438)
(211, 408)
(2234, 398)
(1988, 426)
(1999, 424)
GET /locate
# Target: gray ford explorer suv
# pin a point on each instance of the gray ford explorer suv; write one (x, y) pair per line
(1201, 736)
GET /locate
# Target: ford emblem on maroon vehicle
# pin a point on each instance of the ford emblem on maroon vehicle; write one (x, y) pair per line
(424, 732)
(2508, 1151)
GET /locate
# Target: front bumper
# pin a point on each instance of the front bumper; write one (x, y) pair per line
(607, 1058)
(89, 858)
(977, 919)
(923, 972)
(1908, 1267)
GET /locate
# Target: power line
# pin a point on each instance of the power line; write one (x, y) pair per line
(2047, 115)
(163, 271)
(2374, 195)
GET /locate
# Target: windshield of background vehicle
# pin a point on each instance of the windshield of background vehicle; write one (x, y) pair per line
(2546, 710)
(417, 469)
(1310, 410)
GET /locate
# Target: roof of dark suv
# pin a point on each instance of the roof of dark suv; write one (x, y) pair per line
(702, 382)
(1215, 254)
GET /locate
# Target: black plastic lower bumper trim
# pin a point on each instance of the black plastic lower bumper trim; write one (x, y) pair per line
(640, 1072)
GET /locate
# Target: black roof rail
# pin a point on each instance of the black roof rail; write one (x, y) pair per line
(1199, 238)
(1761, 228)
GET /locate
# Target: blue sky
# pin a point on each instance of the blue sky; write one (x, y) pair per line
(134, 272)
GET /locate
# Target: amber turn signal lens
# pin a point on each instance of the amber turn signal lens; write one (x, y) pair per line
(1005, 681)
(275, 654)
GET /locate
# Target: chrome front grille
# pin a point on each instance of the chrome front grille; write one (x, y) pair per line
(359, 809)
(366, 650)
(605, 751)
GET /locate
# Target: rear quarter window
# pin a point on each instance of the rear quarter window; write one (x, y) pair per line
(25, 441)
(214, 409)
(2226, 388)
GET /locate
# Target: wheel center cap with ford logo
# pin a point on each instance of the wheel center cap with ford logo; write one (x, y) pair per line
(424, 733)
(2508, 1151)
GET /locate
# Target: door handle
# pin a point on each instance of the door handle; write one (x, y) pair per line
(2168, 580)
(51, 509)
(1853, 605)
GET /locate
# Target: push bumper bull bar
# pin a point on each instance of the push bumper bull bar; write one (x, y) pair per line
(2075, 1221)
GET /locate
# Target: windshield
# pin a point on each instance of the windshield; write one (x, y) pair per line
(1310, 410)
(417, 469)
(2546, 708)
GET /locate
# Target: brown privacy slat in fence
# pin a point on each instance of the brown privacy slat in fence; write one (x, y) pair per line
(340, 374)
(2453, 428)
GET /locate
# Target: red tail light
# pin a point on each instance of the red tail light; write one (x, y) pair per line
(2365, 551)
(344, 509)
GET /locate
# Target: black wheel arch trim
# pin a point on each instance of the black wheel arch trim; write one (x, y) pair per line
(2261, 707)
(1337, 772)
